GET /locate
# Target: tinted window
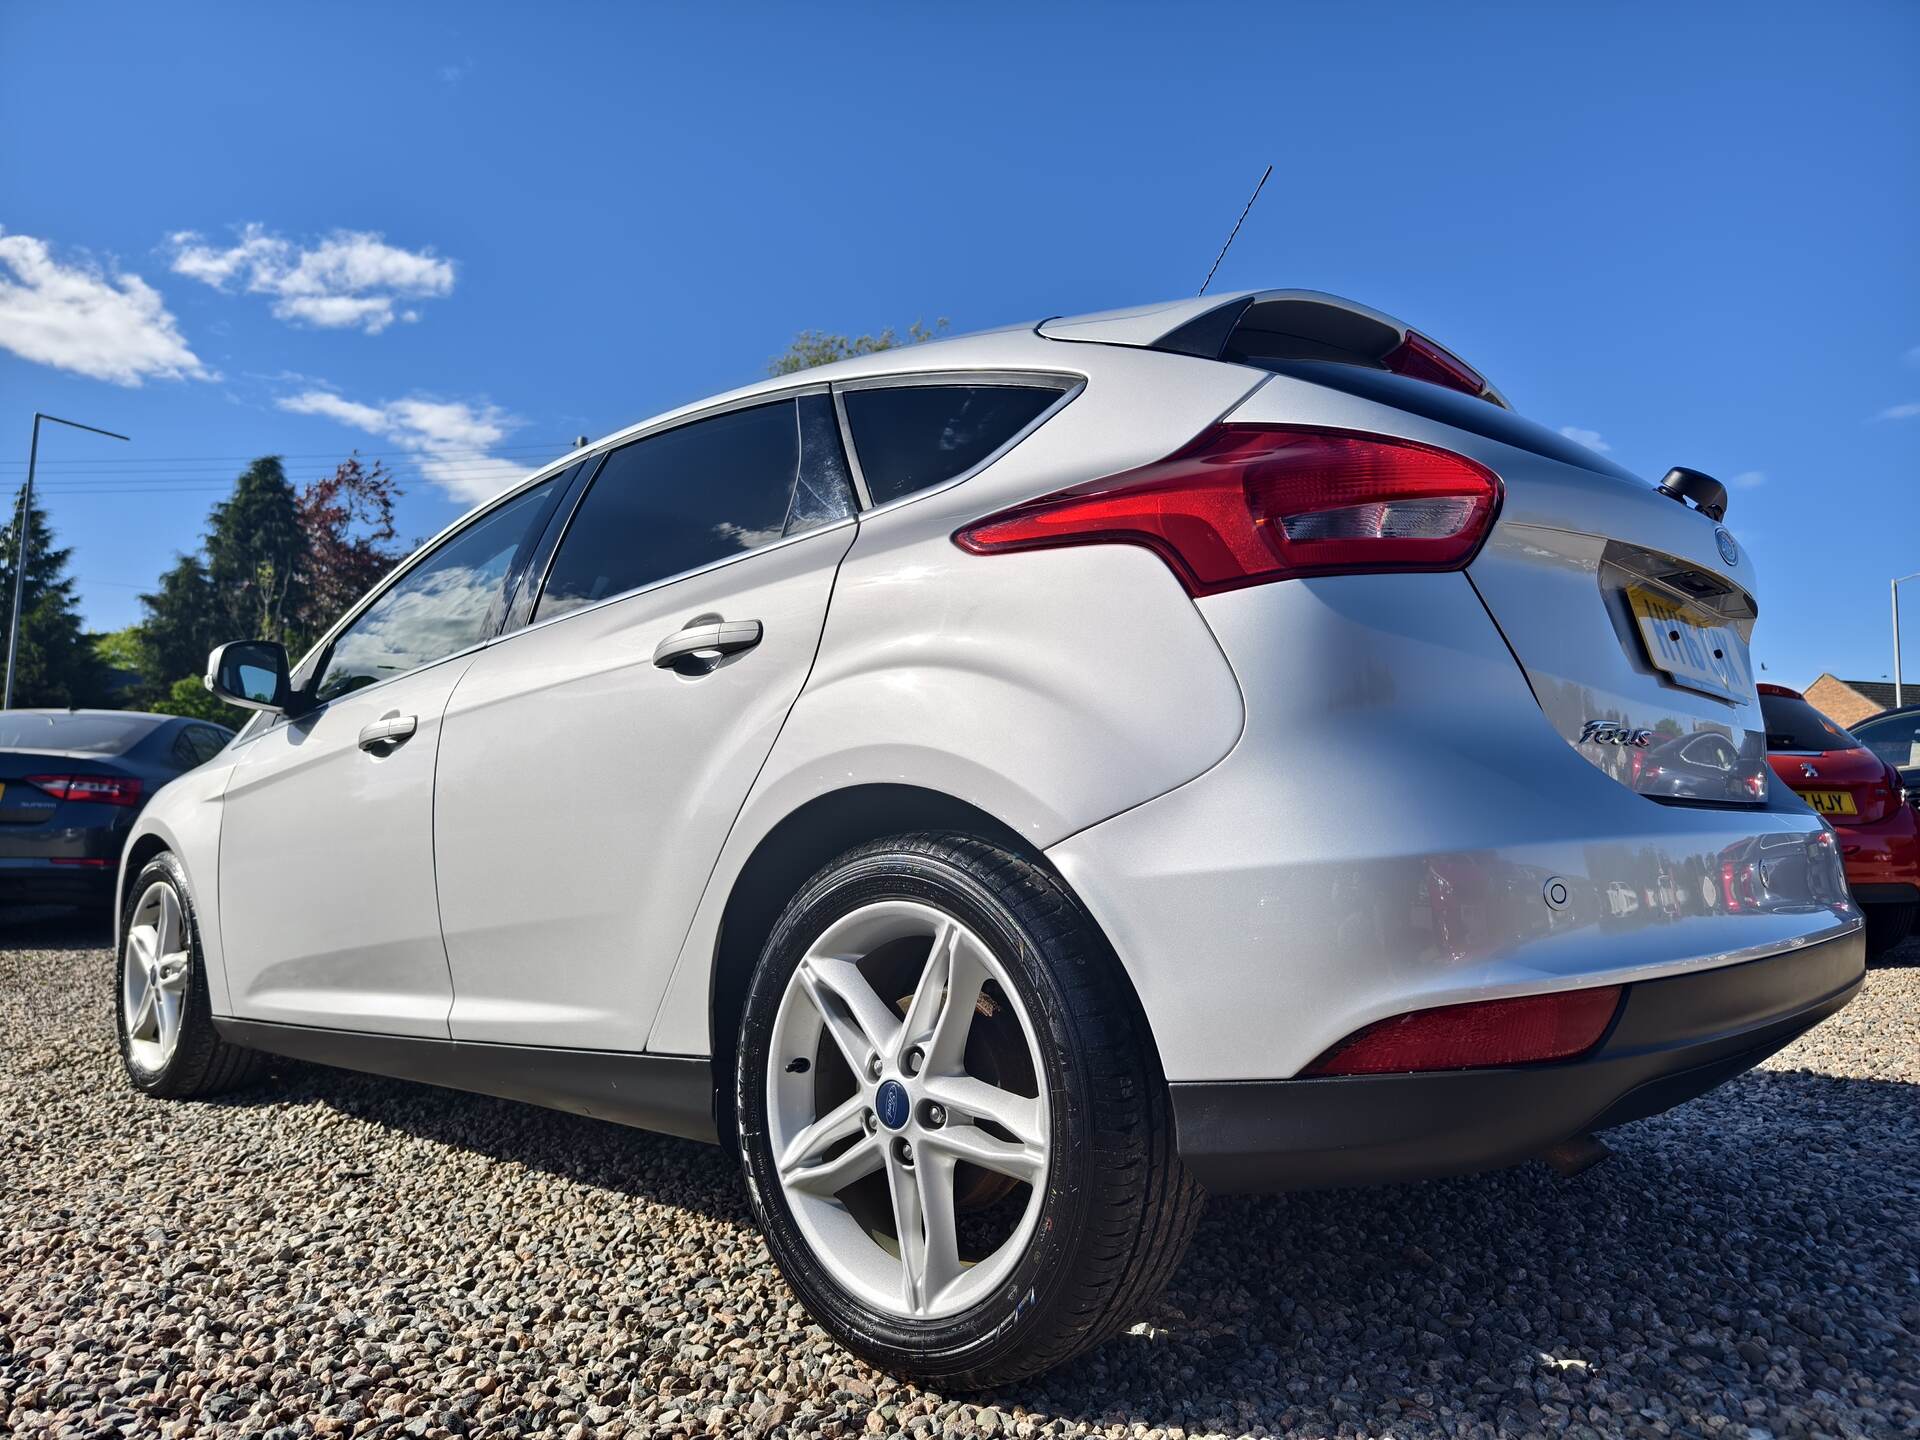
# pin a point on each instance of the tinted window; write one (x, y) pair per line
(94, 734)
(448, 601)
(911, 436)
(690, 496)
(1894, 738)
(1793, 724)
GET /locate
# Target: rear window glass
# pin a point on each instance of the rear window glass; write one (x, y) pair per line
(94, 734)
(1894, 738)
(910, 437)
(1795, 725)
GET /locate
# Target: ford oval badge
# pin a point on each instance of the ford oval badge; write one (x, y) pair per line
(1729, 551)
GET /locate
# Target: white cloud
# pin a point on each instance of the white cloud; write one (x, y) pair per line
(1749, 479)
(1901, 412)
(352, 279)
(79, 318)
(449, 439)
(1589, 438)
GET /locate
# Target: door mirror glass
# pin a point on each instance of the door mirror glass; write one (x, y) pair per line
(252, 673)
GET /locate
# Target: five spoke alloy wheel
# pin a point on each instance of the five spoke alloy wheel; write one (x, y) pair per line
(153, 983)
(907, 1110)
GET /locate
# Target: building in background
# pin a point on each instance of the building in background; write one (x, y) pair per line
(1847, 701)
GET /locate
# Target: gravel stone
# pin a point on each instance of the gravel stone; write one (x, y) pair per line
(335, 1255)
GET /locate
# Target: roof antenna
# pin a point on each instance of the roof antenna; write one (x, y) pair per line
(1236, 230)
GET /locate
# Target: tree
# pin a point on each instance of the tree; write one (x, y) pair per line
(183, 623)
(347, 519)
(820, 347)
(56, 665)
(256, 551)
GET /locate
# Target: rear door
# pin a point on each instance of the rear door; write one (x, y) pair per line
(593, 761)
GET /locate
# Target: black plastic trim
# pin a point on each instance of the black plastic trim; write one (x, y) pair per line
(672, 1094)
(1892, 892)
(1672, 1040)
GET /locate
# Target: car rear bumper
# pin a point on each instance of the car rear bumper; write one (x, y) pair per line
(1671, 1040)
(43, 881)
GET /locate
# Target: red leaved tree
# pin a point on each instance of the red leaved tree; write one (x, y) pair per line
(348, 521)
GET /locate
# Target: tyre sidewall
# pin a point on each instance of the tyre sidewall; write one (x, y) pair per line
(997, 1324)
(196, 1010)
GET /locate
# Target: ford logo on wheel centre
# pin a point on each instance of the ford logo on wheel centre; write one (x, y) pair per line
(890, 1104)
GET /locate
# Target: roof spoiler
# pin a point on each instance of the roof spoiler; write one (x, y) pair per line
(1266, 325)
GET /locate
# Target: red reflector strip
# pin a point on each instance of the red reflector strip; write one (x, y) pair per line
(80, 860)
(1485, 1032)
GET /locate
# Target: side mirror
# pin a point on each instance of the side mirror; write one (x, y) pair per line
(252, 673)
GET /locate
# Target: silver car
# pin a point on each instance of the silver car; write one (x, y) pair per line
(1011, 786)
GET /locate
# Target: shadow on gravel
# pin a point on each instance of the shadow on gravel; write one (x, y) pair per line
(54, 927)
(1755, 1245)
(632, 1162)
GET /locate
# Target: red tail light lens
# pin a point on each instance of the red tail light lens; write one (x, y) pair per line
(102, 789)
(1419, 358)
(1487, 1032)
(1245, 504)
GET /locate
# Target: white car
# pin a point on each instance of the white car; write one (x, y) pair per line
(1008, 786)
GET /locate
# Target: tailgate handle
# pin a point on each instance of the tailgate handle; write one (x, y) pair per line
(704, 636)
(388, 731)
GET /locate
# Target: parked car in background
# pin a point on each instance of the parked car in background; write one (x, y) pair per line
(71, 784)
(1894, 735)
(1864, 798)
(972, 781)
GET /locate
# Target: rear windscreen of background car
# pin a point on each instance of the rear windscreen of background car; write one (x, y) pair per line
(1795, 725)
(93, 734)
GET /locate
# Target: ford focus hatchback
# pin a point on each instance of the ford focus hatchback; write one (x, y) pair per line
(896, 772)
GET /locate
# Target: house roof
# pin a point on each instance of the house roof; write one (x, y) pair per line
(1880, 692)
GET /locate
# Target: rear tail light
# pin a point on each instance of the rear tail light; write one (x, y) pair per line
(1419, 358)
(1245, 504)
(1485, 1032)
(101, 789)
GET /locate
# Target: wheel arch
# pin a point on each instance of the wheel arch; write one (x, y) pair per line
(797, 848)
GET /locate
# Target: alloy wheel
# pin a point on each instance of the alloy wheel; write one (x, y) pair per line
(153, 985)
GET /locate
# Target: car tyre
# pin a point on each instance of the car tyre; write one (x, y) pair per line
(1887, 926)
(1105, 1223)
(163, 1011)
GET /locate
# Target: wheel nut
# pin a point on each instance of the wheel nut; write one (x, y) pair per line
(871, 1121)
(933, 1116)
(903, 1152)
(873, 1067)
(916, 1058)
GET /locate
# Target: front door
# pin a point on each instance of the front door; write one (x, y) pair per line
(327, 909)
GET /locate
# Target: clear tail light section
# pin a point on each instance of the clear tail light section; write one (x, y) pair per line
(100, 789)
(1526, 1029)
(1247, 504)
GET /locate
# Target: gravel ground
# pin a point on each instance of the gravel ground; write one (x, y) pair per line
(338, 1255)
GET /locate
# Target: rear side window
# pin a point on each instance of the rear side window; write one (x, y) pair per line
(910, 437)
(1793, 724)
(1894, 738)
(685, 498)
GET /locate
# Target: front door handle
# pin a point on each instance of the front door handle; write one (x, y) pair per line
(704, 637)
(388, 731)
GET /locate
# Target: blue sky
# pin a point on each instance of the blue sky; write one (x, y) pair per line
(456, 236)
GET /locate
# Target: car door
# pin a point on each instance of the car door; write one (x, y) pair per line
(592, 762)
(327, 905)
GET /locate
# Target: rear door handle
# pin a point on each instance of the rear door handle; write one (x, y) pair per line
(706, 635)
(389, 730)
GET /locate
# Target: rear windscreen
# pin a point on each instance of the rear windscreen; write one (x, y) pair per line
(94, 734)
(1449, 407)
(1793, 724)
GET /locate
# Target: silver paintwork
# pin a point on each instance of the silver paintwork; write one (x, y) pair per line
(1294, 809)
(915, 1269)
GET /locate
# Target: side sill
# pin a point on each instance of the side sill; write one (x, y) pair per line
(672, 1094)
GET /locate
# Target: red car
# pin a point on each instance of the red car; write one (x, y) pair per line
(1863, 799)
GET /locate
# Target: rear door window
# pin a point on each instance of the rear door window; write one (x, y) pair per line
(1894, 738)
(687, 497)
(911, 437)
(1793, 724)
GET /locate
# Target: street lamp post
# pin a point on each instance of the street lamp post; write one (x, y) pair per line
(20, 547)
(1899, 695)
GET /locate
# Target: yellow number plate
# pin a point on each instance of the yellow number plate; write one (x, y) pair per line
(1690, 648)
(1830, 802)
